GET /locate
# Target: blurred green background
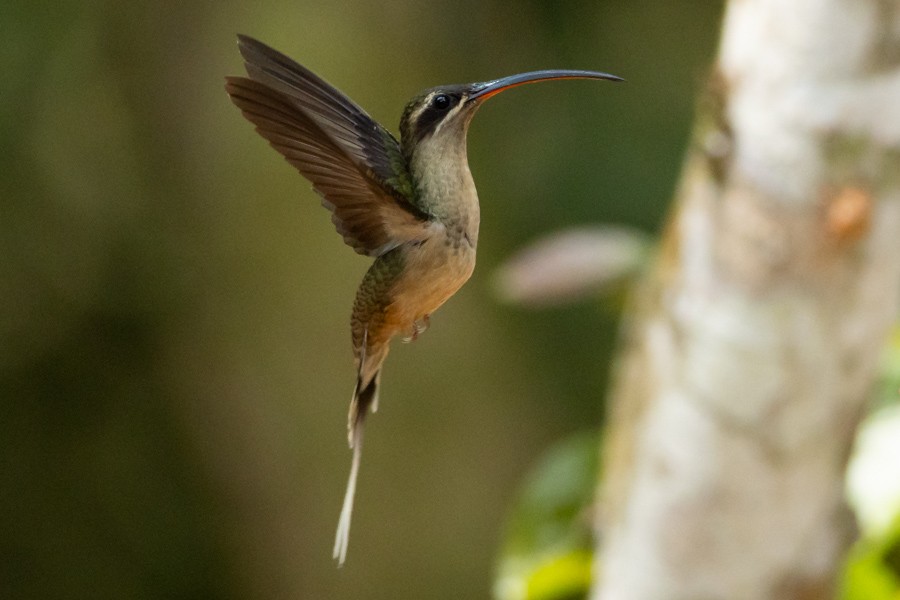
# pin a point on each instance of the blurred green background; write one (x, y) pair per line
(175, 363)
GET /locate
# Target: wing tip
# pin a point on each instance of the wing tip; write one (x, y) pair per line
(233, 82)
(245, 41)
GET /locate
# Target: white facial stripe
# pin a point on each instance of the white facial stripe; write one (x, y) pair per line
(450, 116)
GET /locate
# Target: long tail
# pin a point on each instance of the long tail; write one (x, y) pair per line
(364, 398)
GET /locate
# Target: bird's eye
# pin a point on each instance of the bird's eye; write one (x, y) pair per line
(441, 102)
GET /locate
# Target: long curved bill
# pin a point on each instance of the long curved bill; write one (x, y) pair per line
(487, 89)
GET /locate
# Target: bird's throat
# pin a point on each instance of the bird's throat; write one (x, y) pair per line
(445, 187)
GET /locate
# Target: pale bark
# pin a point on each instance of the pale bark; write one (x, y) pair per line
(753, 344)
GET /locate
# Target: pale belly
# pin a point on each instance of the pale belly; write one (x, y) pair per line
(434, 272)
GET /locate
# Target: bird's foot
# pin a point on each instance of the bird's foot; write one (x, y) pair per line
(418, 327)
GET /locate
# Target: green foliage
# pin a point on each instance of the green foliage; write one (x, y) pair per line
(872, 571)
(548, 548)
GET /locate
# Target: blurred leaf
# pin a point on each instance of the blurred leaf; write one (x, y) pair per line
(549, 541)
(569, 265)
(872, 571)
(873, 476)
(560, 577)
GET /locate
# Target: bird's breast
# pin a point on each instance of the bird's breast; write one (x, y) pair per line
(434, 270)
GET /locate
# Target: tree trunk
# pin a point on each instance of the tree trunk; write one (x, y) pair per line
(752, 345)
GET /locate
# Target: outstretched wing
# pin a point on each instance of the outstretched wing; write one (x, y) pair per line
(353, 162)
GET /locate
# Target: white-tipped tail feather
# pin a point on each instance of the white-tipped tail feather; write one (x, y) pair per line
(342, 538)
(365, 398)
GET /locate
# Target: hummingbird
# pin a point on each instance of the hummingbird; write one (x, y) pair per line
(411, 205)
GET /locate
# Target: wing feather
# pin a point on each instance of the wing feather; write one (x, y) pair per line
(352, 162)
